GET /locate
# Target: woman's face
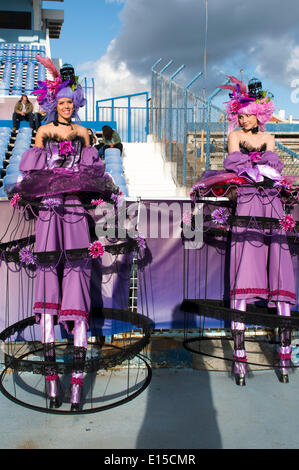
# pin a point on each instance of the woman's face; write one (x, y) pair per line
(65, 107)
(248, 121)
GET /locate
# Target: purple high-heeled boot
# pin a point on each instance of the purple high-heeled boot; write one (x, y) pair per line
(79, 355)
(238, 334)
(52, 378)
(285, 348)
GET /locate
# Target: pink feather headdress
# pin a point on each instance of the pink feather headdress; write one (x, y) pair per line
(243, 102)
(50, 91)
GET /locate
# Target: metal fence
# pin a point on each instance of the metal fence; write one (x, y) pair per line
(131, 112)
(191, 130)
(89, 93)
(185, 125)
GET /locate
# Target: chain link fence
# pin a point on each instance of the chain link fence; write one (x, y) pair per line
(190, 130)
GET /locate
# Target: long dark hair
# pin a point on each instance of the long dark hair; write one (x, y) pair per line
(27, 99)
(107, 131)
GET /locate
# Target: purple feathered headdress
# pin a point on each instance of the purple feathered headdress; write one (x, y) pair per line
(50, 91)
(242, 102)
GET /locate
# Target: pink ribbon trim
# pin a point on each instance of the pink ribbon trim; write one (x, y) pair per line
(285, 356)
(76, 381)
(240, 359)
(49, 378)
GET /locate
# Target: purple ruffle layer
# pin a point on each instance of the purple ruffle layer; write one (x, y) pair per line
(39, 183)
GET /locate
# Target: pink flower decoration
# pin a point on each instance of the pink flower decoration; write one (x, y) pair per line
(220, 216)
(287, 223)
(26, 256)
(255, 156)
(187, 217)
(98, 202)
(96, 249)
(14, 200)
(66, 148)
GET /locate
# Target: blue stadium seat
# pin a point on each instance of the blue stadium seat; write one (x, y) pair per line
(115, 165)
(12, 168)
(113, 159)
(2, 192)
(112, 151)
(114, 171)
(10, 179)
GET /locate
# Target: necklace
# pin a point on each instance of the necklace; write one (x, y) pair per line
(64, 123)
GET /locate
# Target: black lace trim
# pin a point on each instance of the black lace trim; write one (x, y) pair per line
(53, 257)
(247, 148)
(50, 357)
(56, 138)
(105, 360)
(238, 337)
(79, 356)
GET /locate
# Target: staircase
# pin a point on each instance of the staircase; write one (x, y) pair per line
(146, 173)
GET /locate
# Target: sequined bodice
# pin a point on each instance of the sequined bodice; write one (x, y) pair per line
(63, 153)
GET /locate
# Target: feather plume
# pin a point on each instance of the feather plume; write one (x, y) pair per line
(237, 81)
(49, 65)
(227, 87)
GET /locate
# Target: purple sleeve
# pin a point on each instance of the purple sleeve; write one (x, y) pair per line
(90, 157)
(237, 161)
(271, 159)
(34, 158)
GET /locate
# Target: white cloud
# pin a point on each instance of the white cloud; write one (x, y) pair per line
(113, 79)
(259, 37)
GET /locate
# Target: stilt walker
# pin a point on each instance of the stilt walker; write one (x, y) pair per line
(260, 261)
(58, 171)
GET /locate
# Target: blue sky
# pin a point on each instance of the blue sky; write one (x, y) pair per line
(87, 31)
(117, 42)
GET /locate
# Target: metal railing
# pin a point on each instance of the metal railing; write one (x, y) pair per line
(89, 93)
(132, 120)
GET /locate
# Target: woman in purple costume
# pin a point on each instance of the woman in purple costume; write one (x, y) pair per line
(60, 167)
(260, 264)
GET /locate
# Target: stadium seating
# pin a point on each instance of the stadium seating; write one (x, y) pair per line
(20, 67)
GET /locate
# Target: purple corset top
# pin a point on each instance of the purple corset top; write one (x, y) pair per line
(63, 153)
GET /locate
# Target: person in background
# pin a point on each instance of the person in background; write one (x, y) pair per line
(23, 112)
(92, 138)
(110, 139)
(39, 115)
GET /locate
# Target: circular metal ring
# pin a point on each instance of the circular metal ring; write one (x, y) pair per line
(128, 396)
(253, 316)
(186, 343)
(136, 320)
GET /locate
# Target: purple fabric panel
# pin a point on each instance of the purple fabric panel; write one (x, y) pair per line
(170, 273)
(251, 253)
(90, 157)
(237, 161)
(218, 178)
(34, 158)
(115, 280)
(271, 159)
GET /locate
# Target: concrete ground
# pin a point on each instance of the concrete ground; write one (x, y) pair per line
(180, 409)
